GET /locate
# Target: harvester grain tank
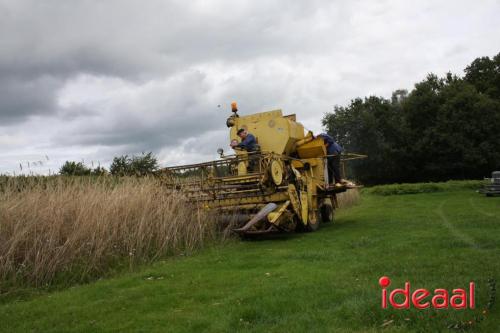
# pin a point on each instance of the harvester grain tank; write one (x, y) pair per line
(281, 187)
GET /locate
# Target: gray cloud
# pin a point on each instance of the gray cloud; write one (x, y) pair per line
(20, 98)
(143, 116)
(92, 79)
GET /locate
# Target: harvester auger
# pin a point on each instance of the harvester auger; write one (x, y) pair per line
(281, 187)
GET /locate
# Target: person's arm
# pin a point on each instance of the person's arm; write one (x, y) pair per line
(338, 148)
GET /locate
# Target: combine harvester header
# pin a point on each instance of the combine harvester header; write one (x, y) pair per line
(282, 186)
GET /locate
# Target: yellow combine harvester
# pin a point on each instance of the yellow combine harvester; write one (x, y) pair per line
(283, 186)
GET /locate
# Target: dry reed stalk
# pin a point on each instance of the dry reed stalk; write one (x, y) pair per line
(80, 228)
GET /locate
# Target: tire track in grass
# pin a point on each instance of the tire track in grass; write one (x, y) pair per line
(462, 325)
(479, 210)
(455, 232)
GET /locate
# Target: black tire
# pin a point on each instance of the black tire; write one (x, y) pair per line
(327, 213)
(312, 227)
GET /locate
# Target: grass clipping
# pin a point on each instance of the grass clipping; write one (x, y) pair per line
(80, 228)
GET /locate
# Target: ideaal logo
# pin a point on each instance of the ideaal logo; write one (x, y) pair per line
(421, 298)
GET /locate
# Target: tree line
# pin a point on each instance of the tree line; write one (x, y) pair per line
(137, 165)
(445, 128)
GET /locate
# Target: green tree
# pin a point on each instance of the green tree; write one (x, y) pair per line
(140, 165)
(99, 171)
(120, 166)
(71, 168)
(370, 126)
(468, 132)
(452, 130)
(445, 128)
(484, 74)
(144, 164)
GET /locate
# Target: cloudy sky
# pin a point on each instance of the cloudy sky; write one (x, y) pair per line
(89, 80)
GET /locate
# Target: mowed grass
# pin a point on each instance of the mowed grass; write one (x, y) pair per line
(325, 281)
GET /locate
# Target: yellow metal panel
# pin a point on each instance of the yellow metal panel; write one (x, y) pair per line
(261, 116)
(273, 216)
(311, 202)
(304, 207)
(242, 168)
(314, 148)
(294, 199)
(274, 133)
(256, 199)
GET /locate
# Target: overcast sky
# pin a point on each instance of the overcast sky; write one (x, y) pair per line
(90, 80)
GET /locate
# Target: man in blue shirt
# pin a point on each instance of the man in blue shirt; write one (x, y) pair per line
(248, 141)
(333, 150)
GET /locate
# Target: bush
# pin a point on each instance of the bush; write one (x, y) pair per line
(120, 166)
(145, 164)
(71, 168)
(413, 188)
(99, 171)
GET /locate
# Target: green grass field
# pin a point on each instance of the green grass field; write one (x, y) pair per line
(325, 281)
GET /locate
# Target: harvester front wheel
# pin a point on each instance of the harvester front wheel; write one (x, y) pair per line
(310, 226)
(327, 213)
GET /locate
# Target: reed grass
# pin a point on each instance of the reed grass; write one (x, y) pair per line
(78, 228)
(349, 198)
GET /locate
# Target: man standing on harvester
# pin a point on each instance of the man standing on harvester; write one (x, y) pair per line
(334, 150)
(248, 141)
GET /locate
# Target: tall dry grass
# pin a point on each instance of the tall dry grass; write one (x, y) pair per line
(349, 198)
(80, 228)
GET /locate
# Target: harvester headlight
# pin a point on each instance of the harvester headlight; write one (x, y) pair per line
(230, 121)
(220, 151)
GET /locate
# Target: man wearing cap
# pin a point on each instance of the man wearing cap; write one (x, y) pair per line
(248, 141)
(334, 150)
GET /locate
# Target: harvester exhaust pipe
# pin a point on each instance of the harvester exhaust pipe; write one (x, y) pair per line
(258, 217)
